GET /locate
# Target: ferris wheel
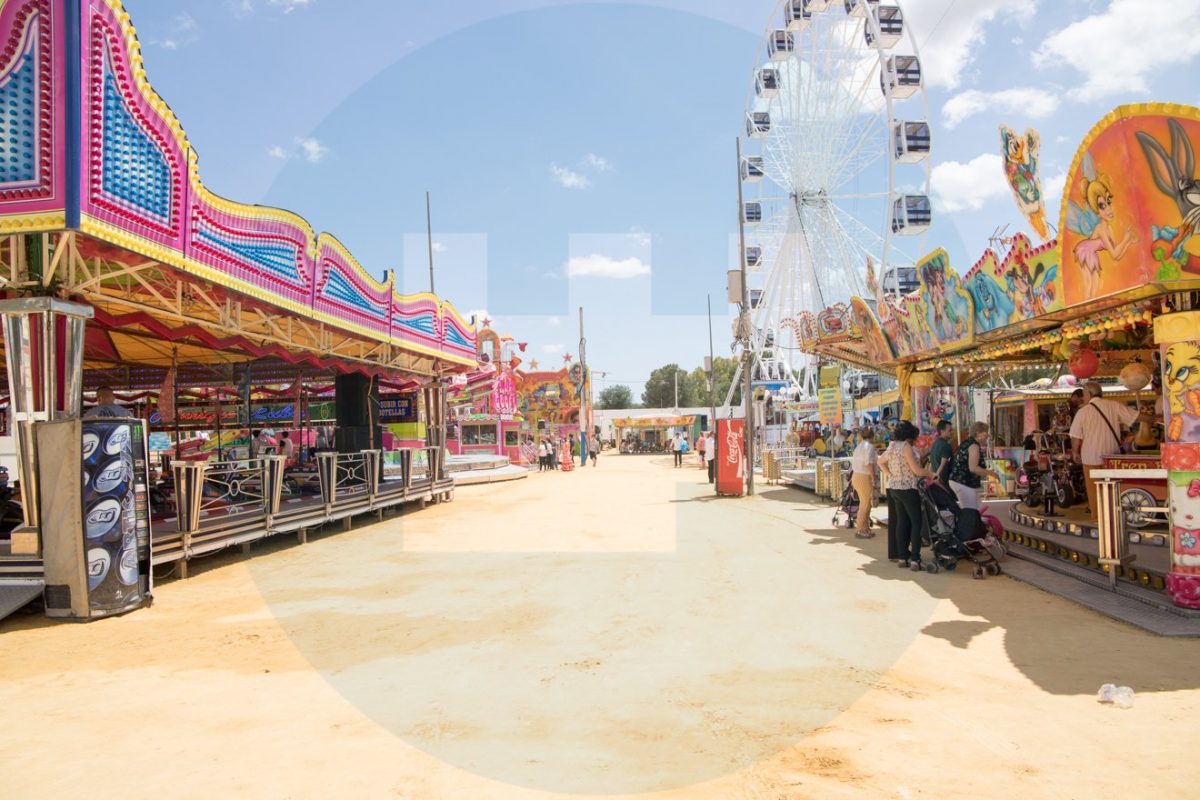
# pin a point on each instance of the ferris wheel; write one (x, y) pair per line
(835, 169)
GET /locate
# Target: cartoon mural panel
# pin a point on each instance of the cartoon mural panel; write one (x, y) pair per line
(1132, 203)
(1020, 155)
(947, 306)
(879, 350)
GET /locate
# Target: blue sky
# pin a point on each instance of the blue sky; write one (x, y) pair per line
(582, 153)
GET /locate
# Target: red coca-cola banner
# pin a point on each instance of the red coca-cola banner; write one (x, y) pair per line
(731, 461)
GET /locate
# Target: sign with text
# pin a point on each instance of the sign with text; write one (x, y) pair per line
(829, 405)
(400, 408)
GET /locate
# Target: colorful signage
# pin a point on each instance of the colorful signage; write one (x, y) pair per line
(829, 405)
(731, 461)
(402, 408)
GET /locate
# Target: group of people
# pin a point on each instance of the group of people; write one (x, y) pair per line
(706, 451)
(902, 466)
(550, 450)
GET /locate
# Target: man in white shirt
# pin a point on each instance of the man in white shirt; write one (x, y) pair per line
(1096, 432)
(710, 456)
(677, 449)
(865, 463)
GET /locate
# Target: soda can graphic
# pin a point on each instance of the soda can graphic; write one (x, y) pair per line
(119, 441)
(98, 562)
(112, 478)
(102, 519)
(127, 568)
(91, 446)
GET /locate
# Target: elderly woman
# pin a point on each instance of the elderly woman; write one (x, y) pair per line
(905, 522)
(864, 463)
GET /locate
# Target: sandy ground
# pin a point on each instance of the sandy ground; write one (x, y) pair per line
(607, 632)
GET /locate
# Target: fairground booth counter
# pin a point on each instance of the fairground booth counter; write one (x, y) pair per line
(1115, 298)
(211, 319)
(652, 434)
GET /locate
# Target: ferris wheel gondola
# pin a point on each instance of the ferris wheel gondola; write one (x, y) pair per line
(836, 170)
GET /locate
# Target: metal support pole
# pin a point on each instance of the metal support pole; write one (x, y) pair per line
(747, 394)
(712, 369)
(429, 238)
(957, 410)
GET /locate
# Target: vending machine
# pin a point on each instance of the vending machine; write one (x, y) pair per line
(96, 529)
(731, 462)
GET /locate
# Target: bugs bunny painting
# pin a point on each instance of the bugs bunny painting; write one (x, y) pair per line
(1174, 175)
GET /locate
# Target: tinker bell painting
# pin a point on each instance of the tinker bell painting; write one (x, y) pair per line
(1095, 219)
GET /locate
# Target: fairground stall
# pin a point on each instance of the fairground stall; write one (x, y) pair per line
(120, 267)
(653, 433)
(1116, 298)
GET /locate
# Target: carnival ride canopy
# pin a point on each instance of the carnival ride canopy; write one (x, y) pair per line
(101, 201)
(1104, 273)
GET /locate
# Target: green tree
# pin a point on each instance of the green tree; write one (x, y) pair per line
(660, 388)
(618, 396)
(725, 368)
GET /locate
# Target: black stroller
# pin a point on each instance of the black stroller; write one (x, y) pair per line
(956, 533)
(846, 514)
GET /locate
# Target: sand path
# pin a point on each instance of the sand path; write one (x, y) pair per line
(611, 631)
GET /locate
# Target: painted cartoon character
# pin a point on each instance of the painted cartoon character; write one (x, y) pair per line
(1185, 516)
(1032, 291)
(1094, 220)
(993, 305)
(941, 313)
(1181, 386)
(1174, 176)
(1021, 168)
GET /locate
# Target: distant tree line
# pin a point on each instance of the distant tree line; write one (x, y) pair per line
(660, 388)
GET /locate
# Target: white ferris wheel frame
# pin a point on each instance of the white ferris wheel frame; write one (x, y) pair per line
(784, 291)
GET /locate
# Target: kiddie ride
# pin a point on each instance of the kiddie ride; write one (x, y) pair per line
(1049, 476)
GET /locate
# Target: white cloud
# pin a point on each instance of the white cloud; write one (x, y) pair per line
(289, 6)
(275, 151)
(182, 31)
(967, 187)
(1052, 192)
(598, 163)
(1117, 49)
(1026, 102)
(949, 33)
(240, 8)
(554, 322)
(552, 348)
(569, 179)
(438, 247)
(639, 237)
(312, 150)
(598, 266)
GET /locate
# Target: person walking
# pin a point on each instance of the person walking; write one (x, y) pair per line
(942, 451)
(865, 464)
(594, 449)
(710, 456)
(543, 456)
(905, 522)
(1096, 432)
(701, 443)
(677, 449)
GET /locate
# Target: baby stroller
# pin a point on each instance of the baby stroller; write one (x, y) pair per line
(956, 533)
(846, 515)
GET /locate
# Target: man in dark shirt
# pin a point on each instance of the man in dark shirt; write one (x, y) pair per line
(941, 451)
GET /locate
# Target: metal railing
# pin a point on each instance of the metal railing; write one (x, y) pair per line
(1113, 540)
(208, 494)
(232, 487)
